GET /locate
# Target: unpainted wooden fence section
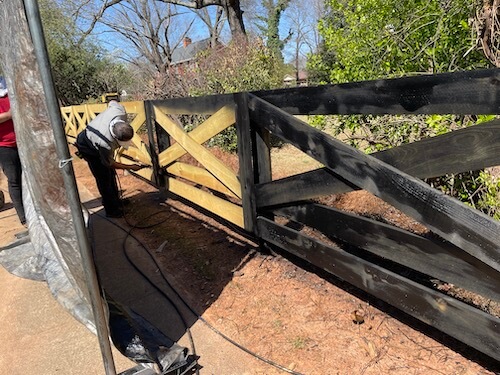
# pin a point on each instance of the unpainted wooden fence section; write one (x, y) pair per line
(76, 118)
(465, 247)
(197, 182)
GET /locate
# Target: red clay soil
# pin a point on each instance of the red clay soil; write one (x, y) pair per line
(284, 311)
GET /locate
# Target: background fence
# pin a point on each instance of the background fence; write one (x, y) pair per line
(462, 246)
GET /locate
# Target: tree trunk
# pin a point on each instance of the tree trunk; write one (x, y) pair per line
(234, 17)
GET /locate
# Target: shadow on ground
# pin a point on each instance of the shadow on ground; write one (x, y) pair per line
(6, 206)
(165, 265)
(169, 264)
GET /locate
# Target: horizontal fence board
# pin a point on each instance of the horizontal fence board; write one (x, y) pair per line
(301, 187)
(463, 150)
(220, 207)
(468, 93)
(133, 107)
(466, 323)
(200, 153)
(469, 149)
(218, 122)
(461, 225)
(92, 108)
(203, 105)
(198, 176)
(440, 260)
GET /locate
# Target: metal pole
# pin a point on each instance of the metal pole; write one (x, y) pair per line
(37, 35)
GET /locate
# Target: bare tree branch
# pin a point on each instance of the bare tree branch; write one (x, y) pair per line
(487, 25)
(145, 25)
(214, 26)
(106, 5)
(232, 8)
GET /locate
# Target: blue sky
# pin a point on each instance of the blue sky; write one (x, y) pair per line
(117, 45)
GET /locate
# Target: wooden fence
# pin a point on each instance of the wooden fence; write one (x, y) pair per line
(465, 250)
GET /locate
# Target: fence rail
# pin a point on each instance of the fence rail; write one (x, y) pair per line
(467, 251)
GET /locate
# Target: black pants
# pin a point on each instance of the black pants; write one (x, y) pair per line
(106, 183)
(11, 166)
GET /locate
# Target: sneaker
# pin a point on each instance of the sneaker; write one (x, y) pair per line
(115, 214)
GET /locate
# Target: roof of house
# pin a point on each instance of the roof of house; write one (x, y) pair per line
(187, 53)
(292, 77)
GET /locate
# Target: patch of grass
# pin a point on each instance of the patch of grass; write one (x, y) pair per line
(277, 324)
(299, 342)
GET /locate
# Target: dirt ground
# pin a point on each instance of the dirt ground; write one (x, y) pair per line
(279, 308)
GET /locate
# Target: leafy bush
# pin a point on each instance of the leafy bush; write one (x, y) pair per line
(240, 66)
(478, 189)
(400, 37)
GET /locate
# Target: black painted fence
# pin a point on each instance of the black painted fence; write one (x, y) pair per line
(465, 250)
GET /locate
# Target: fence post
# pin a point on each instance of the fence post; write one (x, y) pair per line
(254, 159)
(263, 170)
(262, 156)
(246, 162)
(159, 181)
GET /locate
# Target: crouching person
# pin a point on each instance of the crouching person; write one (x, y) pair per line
(97, 144)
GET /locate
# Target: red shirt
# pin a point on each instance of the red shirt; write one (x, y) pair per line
(7, 135)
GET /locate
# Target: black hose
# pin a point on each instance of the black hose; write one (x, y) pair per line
(265, 360)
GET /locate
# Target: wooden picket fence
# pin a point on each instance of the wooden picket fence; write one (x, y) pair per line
(465, 247)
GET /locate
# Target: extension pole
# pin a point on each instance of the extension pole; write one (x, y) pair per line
(37, 35)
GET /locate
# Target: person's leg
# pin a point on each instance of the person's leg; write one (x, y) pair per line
(106, 184)
(11, 165)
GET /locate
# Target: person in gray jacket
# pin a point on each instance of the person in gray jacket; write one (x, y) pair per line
(97, 144)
